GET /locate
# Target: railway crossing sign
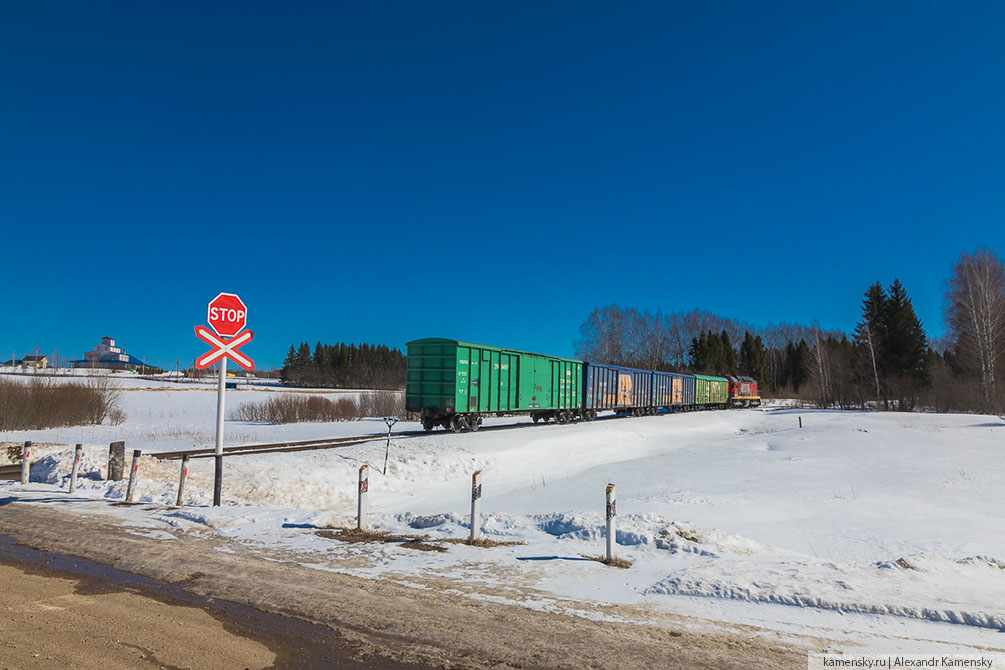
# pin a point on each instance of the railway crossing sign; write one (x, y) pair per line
(223, 348)
(227, 315)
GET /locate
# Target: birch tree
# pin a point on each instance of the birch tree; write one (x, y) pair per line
(975, 318)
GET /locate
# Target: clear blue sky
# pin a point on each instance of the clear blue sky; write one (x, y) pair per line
(383, 171)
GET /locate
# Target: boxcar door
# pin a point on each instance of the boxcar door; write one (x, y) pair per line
(542, 383)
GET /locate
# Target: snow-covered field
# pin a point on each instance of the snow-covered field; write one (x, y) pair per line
(876, 531)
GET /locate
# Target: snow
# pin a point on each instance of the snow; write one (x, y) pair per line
(876, 531)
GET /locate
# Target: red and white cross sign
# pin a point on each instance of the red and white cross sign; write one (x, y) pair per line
(223, 348)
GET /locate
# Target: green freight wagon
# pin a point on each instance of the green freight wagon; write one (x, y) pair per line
(456, 384)
(711, 391)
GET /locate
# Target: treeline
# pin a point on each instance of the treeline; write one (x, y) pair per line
(777, 355)
(342, 365)
(888, 360)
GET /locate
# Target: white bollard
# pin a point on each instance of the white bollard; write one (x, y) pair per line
(131, 489)
(181, 481)
(26, 463)
(364, 485)
(611, 513)
(476, 503)
(76, 467)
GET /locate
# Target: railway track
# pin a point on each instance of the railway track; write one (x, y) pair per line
(10, 472)
(305, 445)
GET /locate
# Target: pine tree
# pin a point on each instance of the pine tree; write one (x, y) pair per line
(727, 360)
(905, 351)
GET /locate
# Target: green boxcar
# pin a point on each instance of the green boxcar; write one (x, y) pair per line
(453, 384)
(711, 390)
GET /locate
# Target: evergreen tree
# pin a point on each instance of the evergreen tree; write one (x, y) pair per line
(727, 361)
(905, 350)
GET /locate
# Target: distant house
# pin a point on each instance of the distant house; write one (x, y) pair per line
(34, 363)
(108, 356)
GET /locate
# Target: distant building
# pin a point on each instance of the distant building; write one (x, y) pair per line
(34, 363)
(108, 356)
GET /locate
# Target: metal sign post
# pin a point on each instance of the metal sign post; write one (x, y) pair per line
(227, 315)
(390, 421)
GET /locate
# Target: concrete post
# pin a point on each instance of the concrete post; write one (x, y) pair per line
(364, 485)
(181, 481)
(116, 461)
(76, 467)
(131, 489)
(26, 463)
(476, 504)
(611, 530)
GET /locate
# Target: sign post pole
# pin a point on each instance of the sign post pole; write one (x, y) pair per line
(227, 315)
(390, 421)
(220, 396)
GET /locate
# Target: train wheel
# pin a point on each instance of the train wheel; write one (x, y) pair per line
(428, 425)
(455, 424)
(560, 417)
(475, 424)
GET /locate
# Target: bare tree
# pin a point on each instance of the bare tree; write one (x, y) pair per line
(975, 317)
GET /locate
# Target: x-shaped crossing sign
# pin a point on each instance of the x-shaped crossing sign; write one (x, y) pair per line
(223, 348)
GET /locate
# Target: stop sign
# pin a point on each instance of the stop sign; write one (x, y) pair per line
(227, 315)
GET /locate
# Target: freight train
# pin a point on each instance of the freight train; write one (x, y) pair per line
(456, 384)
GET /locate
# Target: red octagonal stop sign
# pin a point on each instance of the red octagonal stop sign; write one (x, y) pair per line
(227, 315)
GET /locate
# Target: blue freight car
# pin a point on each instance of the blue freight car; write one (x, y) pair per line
(627, 391)
(673, 391)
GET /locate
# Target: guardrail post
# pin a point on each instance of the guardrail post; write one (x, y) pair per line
(26, 463)
(476, 503)
(116, 461)
(181, 481)
(364, 485)
(76, 466)
(131, 489)
(611, 513)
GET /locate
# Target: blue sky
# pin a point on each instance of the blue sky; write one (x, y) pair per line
(488, 171)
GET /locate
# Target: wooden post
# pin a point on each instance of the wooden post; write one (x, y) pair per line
(116, 461)
(181, 482)
(131, 489)
(476, 503)
(76, 466)
(26, 463)
(364, 485)
(611, 530)
(800, 422)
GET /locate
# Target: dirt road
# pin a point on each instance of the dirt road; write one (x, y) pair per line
(373, 620)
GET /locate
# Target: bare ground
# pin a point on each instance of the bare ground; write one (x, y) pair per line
(383, 619)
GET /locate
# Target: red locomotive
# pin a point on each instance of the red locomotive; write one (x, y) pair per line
(743, 392)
